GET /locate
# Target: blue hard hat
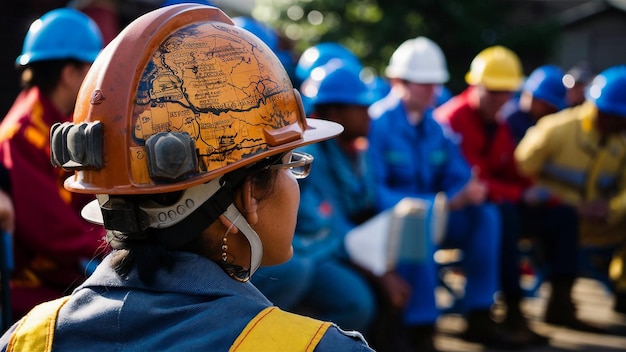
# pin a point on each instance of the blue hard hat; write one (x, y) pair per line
(608, 90)
(546, 83)
(62, 33)
(336, 82)
(379, 86)
(261, 30)
(320, 54)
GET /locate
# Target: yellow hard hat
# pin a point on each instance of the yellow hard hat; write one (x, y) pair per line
(496, 68)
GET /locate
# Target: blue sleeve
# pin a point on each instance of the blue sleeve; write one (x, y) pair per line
(337, 340)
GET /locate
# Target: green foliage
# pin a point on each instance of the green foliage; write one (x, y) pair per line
(373, 29)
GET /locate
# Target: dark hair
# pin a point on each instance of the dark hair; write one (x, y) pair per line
(150, 255)
(45, 74)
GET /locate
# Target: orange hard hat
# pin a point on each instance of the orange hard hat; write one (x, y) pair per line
(178, 98)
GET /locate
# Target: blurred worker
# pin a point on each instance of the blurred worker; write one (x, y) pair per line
(412, 158)
(51, 239)
(196, 187)
(543, 93)
(577, 157)
(488, 145)
(576, 80)
(337, 196)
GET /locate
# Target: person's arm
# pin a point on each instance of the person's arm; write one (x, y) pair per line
(48, 217)
(533, 157)
(533, 151)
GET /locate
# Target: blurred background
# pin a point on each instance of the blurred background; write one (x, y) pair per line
(561, 32)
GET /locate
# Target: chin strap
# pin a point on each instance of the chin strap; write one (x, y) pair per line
(176, 225)
(256, 247)
(179, 233)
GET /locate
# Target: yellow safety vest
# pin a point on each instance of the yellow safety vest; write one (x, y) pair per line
(271, 330)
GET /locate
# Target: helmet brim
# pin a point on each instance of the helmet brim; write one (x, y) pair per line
(318, 130)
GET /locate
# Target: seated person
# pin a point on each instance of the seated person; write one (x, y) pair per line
(577, 158)
(487, 143)
(411, 157)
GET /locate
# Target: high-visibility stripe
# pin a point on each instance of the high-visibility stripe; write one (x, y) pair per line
(36, 330)
(279, 331)
(271, 330)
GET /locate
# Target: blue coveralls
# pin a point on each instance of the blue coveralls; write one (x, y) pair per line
(193, 307)
(419, 161)
(337, 192)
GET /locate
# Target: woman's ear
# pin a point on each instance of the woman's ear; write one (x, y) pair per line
(249, 203)
(230, 227)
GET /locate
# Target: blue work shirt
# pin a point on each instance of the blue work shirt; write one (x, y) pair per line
(336, 196)
(412, 161)
(195, 306)
(519, 121)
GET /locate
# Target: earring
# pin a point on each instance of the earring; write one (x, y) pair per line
(235, 271)
(225, 248)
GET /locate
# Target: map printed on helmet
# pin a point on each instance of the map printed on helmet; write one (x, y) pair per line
(214, 84)
(180, 97)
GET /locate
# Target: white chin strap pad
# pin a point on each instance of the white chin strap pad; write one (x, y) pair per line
(256, 247)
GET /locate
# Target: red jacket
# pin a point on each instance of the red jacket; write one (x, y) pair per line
(489, 149)
(50, 238)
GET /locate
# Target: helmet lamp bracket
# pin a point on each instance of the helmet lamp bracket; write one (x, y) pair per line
(76, 146)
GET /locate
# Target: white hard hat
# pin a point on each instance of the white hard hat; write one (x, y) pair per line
(418, 60)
